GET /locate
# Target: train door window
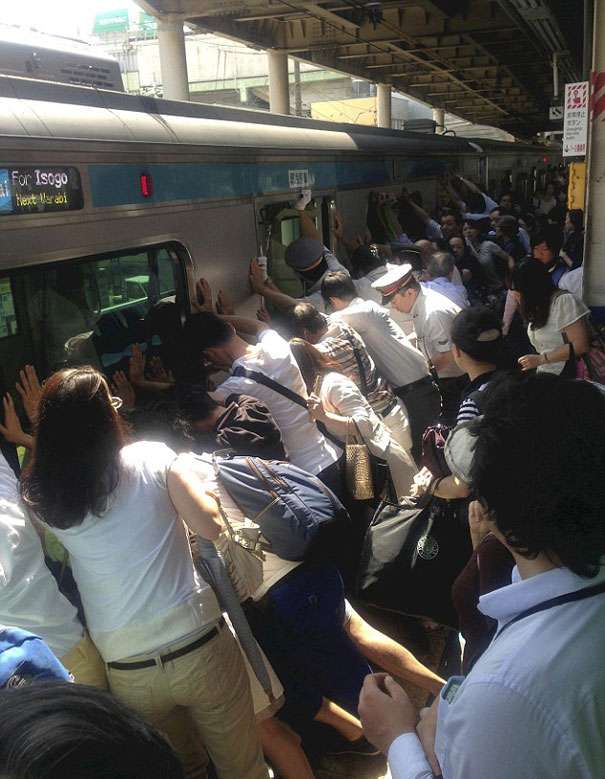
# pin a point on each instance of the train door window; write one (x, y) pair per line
(91, 310)
(280, 225)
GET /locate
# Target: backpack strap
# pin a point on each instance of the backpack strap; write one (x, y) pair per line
(570, 597)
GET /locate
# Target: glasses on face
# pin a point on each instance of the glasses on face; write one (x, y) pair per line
(116, 402)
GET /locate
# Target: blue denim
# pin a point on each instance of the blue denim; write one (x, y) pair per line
(300, 626)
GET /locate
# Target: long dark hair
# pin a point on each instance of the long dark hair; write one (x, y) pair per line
(76, 464)
(311, 361)
(532, 281)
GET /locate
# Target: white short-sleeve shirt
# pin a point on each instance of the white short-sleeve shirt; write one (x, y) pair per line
(565, 309)
(29, 596)
(133, 565)
(305, 446)
(396, 359)
(433, 314)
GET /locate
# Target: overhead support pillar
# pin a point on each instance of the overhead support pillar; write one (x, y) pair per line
(439, 119)
(173, 57)
(594, 248)
(279, 88)
(383, 105)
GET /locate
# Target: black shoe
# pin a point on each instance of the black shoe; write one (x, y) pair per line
(360, 746)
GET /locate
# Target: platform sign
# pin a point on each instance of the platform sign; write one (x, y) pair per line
(555, 113)
(575, 126)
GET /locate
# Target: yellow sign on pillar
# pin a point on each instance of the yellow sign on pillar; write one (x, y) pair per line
(576, 192)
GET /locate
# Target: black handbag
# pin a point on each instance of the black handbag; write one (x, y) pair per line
(411, 556)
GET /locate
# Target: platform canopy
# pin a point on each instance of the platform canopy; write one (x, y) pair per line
(488, 61)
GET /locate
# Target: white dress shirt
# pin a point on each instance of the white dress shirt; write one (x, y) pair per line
(433, 314)
(533, 707)
(305, 446)
(313, 295)
(29, 596)
(396, 359)
(454, 292)
(364, 286)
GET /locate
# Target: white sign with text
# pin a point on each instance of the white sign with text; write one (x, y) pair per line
(575, 125)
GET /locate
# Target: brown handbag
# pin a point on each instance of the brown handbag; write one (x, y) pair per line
(358, 466)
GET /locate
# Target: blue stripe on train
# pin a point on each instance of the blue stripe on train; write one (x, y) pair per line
(114, 185)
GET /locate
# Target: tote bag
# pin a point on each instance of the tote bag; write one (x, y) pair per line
(411, 556)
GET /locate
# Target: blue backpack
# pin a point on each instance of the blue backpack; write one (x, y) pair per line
(292, 508)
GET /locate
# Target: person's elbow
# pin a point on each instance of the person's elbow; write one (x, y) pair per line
(195, 506)
(580, 341)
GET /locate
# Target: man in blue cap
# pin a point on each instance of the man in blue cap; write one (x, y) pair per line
(307, 256)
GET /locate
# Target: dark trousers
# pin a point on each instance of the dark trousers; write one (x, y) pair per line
(300, 626)
(333, 477)
(451, 394)
(423, 404)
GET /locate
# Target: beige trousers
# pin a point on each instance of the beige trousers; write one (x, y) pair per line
(212, 685)
(85, 664)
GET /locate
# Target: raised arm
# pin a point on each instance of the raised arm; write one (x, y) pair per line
(307, 224)
(263, 287)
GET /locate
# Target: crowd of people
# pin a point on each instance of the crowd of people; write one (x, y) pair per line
(150, 625)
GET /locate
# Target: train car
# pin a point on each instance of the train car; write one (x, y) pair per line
(37, 55)
(111, 202)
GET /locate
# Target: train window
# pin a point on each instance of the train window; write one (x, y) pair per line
(91, 310)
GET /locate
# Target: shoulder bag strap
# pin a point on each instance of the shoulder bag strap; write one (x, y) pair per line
(360, 368)
(570, 597)
(260, 378)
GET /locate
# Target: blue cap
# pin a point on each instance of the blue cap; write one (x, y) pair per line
(25, 658)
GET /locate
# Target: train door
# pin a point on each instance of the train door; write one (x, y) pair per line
(279, 225)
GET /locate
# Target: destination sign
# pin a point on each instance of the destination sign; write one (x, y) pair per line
(39, 190)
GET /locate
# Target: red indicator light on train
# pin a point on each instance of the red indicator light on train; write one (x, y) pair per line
(146, 183)
(546, 160)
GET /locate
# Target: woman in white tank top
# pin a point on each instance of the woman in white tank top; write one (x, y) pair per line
(157, 625)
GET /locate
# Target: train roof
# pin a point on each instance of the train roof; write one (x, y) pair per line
(34, 108)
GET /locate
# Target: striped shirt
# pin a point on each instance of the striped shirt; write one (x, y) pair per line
(340, 344)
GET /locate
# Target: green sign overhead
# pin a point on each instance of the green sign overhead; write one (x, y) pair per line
(111, 21)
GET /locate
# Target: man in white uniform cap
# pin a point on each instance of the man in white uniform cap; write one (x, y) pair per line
(432, 315)
(403, 366)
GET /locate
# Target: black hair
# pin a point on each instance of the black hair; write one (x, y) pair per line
(205, 331)
(451, 212)
(52, 730)
(538, 467)
(508, 225)
(75, 465)
(552, 236)
(364, 259)
(477, 332)
(483, 225)
(305, 316)
(576, 217)
(532, 280)
(338, 284)
(193, 404)
(164, 319)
